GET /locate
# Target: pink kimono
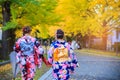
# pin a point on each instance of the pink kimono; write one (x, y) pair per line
(29, 54)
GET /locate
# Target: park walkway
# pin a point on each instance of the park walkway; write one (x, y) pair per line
(93, 67)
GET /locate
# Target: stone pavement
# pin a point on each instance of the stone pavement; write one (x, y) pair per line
(93, 67)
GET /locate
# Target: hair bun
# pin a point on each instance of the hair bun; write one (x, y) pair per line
(26, 29)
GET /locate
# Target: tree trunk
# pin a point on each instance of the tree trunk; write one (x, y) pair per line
(117, 41)
(89, 42)
(104, 41)
(104, 37)
(8, 35)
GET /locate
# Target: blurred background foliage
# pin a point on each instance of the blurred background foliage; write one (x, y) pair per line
(84, 18)
(77, 16)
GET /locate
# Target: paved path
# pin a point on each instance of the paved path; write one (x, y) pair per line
(93, 67)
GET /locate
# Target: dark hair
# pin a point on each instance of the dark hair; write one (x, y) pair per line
(26, 29)
(59, 34)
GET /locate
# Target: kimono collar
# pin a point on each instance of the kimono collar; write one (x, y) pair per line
(60, 42)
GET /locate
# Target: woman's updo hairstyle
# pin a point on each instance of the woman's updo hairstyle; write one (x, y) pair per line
(59, 34)
(26, 29)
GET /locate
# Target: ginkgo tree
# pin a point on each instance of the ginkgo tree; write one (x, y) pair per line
(40, 17)
(107, 14)
(78, 17)
(89, 17)
(19, 13)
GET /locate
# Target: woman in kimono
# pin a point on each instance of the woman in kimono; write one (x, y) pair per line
(62, 57)
(29, 54)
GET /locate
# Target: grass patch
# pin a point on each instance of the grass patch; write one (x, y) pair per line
(100, 52)
(6, 72)
(41, 71)
(3, 60)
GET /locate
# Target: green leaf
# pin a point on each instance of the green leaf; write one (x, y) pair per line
(9, 25)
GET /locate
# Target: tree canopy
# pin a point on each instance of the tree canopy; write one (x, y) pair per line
(93, 17)
(78, 16)
(36, 13)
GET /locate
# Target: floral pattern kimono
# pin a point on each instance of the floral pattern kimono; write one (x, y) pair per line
(28, 56)
(62, 70)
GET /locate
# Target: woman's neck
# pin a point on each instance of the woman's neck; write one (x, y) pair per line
(61, 40)
(27, 34)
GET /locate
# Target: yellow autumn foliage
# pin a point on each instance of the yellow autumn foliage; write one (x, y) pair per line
(38, 31)
(5, 68)
(80, 16)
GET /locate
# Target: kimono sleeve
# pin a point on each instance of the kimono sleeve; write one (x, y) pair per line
(49, 55)
(17, 49)
(73, 58)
